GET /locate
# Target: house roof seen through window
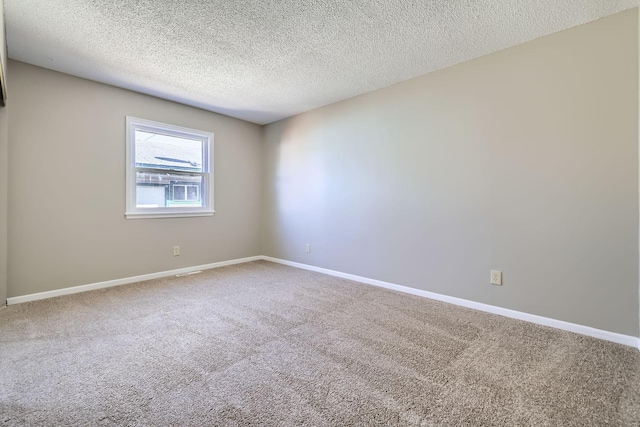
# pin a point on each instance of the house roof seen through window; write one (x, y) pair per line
(168, 152)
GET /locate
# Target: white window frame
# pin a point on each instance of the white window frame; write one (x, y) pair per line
(133, 212)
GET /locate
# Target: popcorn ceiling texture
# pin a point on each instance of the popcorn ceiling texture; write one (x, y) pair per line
(262, 61)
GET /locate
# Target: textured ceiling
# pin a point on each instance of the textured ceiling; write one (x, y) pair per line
(265, 60)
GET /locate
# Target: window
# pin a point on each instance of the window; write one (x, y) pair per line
(186, 192)
(168, 170)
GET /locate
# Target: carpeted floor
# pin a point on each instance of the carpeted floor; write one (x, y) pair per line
(264, 344)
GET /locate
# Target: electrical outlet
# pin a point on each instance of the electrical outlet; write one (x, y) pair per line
(307, 248)
(496, 277)
(176, 250)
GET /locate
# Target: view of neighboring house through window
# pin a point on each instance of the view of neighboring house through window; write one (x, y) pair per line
(168, 170)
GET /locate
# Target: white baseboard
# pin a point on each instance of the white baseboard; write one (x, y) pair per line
(125, 281)
(558, 324)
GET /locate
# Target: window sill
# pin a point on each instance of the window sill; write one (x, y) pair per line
(182, 214)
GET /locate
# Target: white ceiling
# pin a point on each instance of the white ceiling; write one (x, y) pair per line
(264, 60)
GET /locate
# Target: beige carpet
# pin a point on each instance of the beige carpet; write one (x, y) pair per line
(265, 344)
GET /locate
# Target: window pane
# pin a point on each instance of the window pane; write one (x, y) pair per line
(159, 151)
(193, 192)
(178, 192)
(165, 189)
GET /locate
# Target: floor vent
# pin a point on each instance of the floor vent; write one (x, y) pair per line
(188, 274)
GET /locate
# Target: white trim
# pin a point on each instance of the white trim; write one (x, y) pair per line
(179, 214)
(553, 323)
(558, 324)
(125, 281)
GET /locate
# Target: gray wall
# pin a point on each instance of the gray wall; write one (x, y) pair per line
(67, 192)
(523, 161)
(4, 165)
(3, 44)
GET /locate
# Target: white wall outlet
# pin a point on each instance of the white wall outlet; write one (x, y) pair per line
(176, 250)
(307, 248)
(496, 277)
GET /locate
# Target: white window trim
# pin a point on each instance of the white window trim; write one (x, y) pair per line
(133, 212)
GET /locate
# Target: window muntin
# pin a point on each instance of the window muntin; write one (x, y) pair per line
(169, 170)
